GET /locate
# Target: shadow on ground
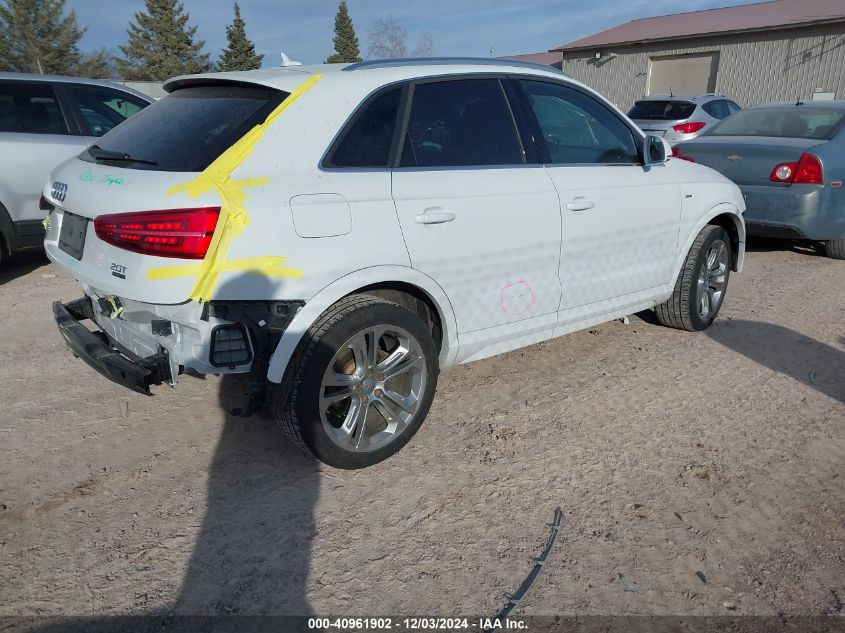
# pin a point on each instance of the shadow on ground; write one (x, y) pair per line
(768, 245)
(785, 351)
(21, 264)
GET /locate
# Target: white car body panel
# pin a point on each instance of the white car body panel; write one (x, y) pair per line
(513, 267)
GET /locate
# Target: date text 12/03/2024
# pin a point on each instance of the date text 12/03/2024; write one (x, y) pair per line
(417, 624)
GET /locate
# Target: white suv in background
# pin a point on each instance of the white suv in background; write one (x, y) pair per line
(343, 233)
(44, 120)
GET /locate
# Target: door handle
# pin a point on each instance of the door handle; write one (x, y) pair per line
(434, 217)
(580, 204)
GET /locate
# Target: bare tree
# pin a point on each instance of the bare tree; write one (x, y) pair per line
(389, 39)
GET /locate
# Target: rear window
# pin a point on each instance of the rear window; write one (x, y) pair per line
(783, 122)
(662, 110)
(190, 127)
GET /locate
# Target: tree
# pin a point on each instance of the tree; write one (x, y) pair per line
(389, 39)
(36, 36)
(240, 53)
(99, 64)
(345, 40)
(161, 45)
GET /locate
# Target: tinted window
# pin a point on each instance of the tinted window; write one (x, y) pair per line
(733, 108)
(717, 109)
(30, 107)
(367, 142)
(783, 122)
(577, 128)
(189, 128)
(466, 122)
(103, 108)
(662, 110)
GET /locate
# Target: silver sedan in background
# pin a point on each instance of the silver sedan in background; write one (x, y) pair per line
(789, 161)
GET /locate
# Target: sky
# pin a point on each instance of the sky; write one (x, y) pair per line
(303, 29)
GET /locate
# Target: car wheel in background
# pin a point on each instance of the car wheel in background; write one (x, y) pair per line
(835, 249)
(361, 384)
(702, 283)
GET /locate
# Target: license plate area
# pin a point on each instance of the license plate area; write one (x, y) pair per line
(72, 235)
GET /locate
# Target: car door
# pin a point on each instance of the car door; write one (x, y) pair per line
(620, 218)
(36, 135)
(476, 217)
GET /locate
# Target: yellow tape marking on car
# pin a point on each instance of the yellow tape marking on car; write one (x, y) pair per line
(233, 217)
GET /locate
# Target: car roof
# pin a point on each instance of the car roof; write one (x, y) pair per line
(380, 71)
(74, 80)
(693, 98)
(832, 104)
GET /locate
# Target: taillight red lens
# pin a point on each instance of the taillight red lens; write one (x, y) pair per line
(689, 128)
(183, 233)
(676, 153)
(807, 171)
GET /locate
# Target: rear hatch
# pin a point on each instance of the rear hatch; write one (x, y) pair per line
(658, 116)
(129, 171)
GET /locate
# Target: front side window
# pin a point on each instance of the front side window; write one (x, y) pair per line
(465, 122)
(577, 128)
(31, 108)
(103, 109)
(368, 140)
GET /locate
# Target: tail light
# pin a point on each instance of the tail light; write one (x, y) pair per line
(44, 205)
(689, 128)
(183, 233)
(807, 171)
(676, 153)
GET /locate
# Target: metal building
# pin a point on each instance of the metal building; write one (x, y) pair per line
(770, 51)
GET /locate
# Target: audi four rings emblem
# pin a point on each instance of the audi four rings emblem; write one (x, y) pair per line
(59, 191)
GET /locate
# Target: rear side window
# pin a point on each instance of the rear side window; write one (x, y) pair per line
(103, 108)
(367, 141)
(31, 108)
(661, 110)
(189, 128)
(717, 109)
(783, 122)
(463, 122)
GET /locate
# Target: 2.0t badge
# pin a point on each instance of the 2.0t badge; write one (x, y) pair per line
(118, 270)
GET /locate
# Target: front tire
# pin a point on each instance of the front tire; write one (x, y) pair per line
(702, 283)
(361, 385)
(835, 249)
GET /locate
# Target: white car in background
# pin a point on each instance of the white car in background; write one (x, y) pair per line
(44, 120)
(343, 233)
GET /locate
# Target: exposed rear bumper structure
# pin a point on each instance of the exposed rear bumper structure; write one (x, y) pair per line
(137, 374)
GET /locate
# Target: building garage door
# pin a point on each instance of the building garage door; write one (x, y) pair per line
(683, 74)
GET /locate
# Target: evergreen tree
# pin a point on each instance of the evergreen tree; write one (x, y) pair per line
(345, 40)
(161, 45)
(98, 64)
(36, 36)
(240, 53)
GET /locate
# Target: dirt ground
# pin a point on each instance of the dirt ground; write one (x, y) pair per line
(697, 474)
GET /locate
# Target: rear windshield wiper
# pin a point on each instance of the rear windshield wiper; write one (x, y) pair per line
(98, 154)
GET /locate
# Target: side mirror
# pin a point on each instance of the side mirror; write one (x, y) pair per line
(657, 150)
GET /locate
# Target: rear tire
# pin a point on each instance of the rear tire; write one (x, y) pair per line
(361, 383)
(835, 249)
(701, 285)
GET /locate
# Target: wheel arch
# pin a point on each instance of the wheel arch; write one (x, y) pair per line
(406, 286)
(727, 216)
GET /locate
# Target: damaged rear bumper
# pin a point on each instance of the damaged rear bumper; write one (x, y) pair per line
(125, 369)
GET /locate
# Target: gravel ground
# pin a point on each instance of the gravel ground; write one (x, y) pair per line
(697, 473)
